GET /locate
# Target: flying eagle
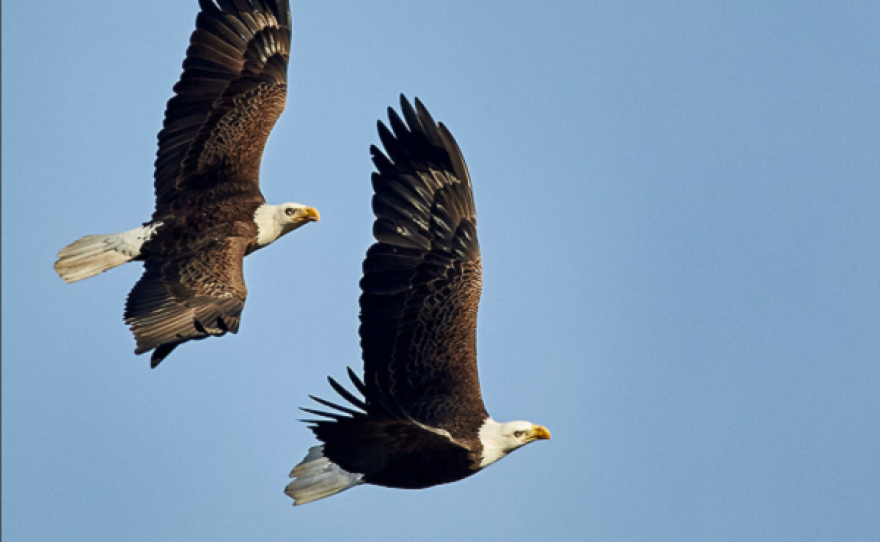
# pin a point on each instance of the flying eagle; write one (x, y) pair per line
(421, 421)
(210, 212)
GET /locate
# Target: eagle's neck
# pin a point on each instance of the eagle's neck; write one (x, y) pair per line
(268, 227)
(494, 445)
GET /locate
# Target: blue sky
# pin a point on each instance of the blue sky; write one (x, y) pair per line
(678, 209)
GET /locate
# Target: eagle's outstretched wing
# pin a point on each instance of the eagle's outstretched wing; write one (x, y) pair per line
(231, 92)
(423, 277)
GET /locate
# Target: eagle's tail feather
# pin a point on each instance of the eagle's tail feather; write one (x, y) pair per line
(93, 254)
(317, 477)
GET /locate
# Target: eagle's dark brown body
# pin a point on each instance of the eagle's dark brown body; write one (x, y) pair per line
(193, 286)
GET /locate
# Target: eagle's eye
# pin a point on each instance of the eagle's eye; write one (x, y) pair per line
(518, 434)
(289, 211)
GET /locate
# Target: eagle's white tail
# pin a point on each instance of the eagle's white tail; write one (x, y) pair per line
(317, 477)
(93, 254)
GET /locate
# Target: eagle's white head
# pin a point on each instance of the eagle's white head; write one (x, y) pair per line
(499, 439)
(273, 221)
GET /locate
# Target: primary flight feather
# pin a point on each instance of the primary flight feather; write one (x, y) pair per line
(210, 212)
(421, 421)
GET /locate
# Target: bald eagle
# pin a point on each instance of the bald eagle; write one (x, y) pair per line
(210, 212)
(421, 421)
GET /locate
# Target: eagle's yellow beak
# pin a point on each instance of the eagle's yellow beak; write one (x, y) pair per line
(539, 432)
(312, 214)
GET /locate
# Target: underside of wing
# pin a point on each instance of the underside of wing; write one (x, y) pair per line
(184, 298)
(422, 278)
(231, 93)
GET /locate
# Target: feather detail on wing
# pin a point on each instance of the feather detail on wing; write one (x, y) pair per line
(422, 278)
(231, 93)
(190, 297)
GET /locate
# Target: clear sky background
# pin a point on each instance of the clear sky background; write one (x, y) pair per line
(678, 207)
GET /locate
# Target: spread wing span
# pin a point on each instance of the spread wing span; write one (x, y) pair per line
(231, 93)
(422, 277)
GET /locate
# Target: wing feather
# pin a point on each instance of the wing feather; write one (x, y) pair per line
(188, 297)
(422, 278)
(229, 96)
